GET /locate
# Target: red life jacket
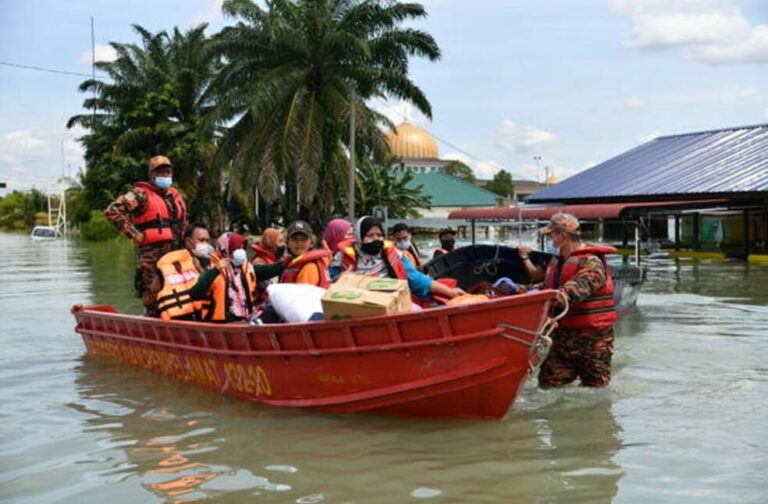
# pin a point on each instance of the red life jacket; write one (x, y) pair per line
(159, 221)
(391, 255)
(597, 311)
(263, 253)
(319, 257)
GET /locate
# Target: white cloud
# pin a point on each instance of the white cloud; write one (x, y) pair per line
(34, 158)
(751, 49)
(520, 138)
(765, 115)
(634, 102)
(210, 15)
(748, 93)
(398, 111)
(711, 31)
(648, 137)
(103, 53)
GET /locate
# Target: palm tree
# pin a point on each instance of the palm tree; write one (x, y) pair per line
(286, 87)
(156, 100)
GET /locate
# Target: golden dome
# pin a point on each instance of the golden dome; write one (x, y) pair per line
(553, 179)
(409, 141)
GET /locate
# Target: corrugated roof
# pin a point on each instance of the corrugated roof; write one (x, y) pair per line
(449, 191)
(708, 163)
(588, 212)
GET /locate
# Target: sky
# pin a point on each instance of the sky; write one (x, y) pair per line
(522, 85)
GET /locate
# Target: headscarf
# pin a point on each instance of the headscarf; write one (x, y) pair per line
(367, 264)
(236, 287)
(269, 238)
(335, 232)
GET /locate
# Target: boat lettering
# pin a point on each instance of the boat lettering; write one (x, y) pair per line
(333, 378)
(248, 379)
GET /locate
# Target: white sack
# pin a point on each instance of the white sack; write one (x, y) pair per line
(296, 302)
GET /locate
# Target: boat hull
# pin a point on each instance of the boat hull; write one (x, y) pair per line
(453, 362)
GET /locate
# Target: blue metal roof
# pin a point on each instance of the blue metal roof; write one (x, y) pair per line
(733, 160)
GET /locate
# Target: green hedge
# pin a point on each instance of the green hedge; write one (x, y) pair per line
(98, 228)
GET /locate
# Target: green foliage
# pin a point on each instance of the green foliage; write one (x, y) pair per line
(18, 209)
(291, 69)
(380, 186)
(502, 184)
(98, 228)
(156, 101)
(460, 171)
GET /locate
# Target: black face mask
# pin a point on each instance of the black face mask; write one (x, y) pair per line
(447, 244)
(280, 251)
(373, 247)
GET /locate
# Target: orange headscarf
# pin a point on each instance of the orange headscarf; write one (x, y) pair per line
(269, 238)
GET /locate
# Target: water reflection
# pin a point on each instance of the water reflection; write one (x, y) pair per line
(183, 444)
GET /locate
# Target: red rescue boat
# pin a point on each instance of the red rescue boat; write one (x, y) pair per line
(465, 361)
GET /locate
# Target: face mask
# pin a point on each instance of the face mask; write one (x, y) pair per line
(403, 245)
(373, 247)
(280, 251)
(238, 257)
(448, 244)
(549, 248)
(163, 182)
(203, 250)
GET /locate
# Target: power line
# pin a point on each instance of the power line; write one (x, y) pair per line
(42, 69)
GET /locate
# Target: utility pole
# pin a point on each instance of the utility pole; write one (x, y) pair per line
(538, 170)
(93, 67)
(351, 193)
(546, 175)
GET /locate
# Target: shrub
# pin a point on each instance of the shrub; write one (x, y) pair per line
(98, 228)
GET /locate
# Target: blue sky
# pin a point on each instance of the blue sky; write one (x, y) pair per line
(572, 81)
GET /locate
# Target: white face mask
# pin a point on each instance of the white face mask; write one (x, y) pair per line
(549, 248)
(203, 250)
(238, 257)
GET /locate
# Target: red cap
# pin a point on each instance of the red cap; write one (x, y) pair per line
(236, 241)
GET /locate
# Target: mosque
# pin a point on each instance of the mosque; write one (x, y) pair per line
(415, 150)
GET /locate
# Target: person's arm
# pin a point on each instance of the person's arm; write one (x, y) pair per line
(119, 213)
(200, 289)
(422, 285)
(534, 272)
(267, 271)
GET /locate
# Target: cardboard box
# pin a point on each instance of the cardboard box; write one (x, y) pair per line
(356, 296)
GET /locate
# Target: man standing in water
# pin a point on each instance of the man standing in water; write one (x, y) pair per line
(582, 346)
(153, 214)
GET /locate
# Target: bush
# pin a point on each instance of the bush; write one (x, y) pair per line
(98, 228)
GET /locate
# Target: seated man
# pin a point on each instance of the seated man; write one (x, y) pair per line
(180, 271)
(403, 237)
(447, 238)
(307, 264)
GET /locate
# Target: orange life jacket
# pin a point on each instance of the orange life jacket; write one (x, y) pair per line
(392, 257)
(319, 257)
(598, 310)
(263, 253)
(159, 220)
(180, 274)
(412, 256)
(218, 306)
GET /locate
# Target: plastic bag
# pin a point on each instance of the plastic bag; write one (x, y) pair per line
(296, 302)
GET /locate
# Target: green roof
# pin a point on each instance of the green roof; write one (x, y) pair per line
(449, 191)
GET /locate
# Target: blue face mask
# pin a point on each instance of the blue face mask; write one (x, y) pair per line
(550, 248)
(163, 182)
(403, 245)
(238, 257)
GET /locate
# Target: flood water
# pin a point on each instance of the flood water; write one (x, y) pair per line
(684, 419)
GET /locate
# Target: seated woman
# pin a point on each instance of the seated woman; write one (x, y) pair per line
(370, 255)
(229, 284)
(271, 248)
(307, 265)
(337, 231)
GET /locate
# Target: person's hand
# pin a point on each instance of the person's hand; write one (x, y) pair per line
(138, 239)
(523, 250)
(223, 265)
(455, 292)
